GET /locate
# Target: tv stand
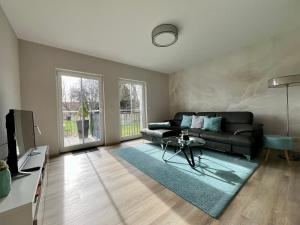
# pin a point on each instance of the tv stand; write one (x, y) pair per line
(21, 174)
(34, 152)
(31, 169)
(25, 203)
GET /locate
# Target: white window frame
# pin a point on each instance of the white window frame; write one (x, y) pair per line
(144, 102)
(59, 73)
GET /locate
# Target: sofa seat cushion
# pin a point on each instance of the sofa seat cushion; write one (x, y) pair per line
(159, 133)
(216, 136)
(195, 132)
(233, 127)
(242, 140)
(227, 138)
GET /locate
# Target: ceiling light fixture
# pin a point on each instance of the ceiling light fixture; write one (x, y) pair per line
(164, 35)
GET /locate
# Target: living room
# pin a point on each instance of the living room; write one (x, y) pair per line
(107, 92)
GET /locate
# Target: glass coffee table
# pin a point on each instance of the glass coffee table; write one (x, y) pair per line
(184, 146)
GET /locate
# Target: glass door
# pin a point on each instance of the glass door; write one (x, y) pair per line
(80, 110)
(132, 108)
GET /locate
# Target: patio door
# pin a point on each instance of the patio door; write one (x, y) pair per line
(80, 106)
(132, 97)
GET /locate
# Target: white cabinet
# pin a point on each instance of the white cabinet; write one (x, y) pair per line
(24, 204)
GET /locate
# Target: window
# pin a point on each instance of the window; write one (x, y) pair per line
(132, 108)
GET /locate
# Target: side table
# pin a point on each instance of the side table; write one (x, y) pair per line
(278, 142)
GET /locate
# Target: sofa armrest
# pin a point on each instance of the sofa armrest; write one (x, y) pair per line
(253, 128)
(172, 122)
(159, 125)
(243, 131)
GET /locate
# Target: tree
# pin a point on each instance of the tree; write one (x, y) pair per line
(128, 97)
(125, 101)
(70, 96)
(74, 95)
(90, 93)
(135, 99)
(64, 96)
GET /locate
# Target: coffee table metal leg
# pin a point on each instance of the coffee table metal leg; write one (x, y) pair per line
(171, 155)
(190, 161)
(192, 156)
(165, 149)
(199, 156)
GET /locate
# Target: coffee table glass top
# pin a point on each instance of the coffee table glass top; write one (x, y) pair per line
(178, 141)
(184, 146)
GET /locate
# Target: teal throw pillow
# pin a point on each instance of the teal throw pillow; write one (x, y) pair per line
(212, 123)
(186, 121)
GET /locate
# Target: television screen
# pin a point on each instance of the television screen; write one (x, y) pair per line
(20, 138)
(24, 131)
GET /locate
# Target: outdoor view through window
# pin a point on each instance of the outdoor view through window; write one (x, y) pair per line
(132, 113)
(81, 110)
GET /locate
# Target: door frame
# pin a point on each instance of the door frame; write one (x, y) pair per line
(144, 93)
(80, 74)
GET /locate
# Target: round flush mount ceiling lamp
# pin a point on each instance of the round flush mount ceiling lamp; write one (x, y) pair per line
(164, 35)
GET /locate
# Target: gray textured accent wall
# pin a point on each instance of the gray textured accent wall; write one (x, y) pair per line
(238, 81)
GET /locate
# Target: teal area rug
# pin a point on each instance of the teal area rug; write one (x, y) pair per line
(210, 186)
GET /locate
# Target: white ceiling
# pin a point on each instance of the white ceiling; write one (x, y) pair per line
(120, 30)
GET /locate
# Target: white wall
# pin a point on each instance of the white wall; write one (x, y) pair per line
(238, 81)
(9, 75)
(38, 88)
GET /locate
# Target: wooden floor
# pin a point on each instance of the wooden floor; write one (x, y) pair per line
(98, 188)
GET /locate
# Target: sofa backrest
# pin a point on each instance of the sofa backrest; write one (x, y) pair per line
(233, 121)
(236, 117)
(209, 114)
(178, 117)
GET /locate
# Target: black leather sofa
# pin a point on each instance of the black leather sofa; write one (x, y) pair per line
(238, 133)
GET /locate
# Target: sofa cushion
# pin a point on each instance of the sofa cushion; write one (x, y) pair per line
(242, 140)
(186, 121)
(216, 136)
(212, 123)
(233, 127)
(161, 125)
(195, 132)
(224, 147)
(178, 117)
(197, 121)
(227, 138)
(236, 117)
(159, 133)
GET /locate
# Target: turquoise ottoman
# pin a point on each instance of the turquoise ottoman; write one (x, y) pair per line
(278, 142)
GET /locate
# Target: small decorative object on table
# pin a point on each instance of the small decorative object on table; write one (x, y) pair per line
(185, 135)
(5, 179)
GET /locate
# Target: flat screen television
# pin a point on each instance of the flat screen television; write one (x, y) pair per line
(20, 138)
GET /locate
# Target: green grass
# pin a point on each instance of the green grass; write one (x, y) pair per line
(70, 128)
(130, 129)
